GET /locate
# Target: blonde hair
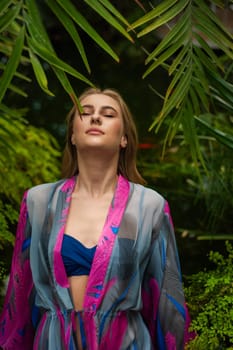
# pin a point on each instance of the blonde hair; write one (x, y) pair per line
(127, 158)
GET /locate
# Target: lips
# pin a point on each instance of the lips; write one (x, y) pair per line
(94, 131)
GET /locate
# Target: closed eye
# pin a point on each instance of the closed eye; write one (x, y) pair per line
(109, 115)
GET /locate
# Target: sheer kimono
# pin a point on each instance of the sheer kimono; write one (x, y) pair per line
(134, 297)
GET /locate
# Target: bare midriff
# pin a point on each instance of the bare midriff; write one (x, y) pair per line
(78, 286)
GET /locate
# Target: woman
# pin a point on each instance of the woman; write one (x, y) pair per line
(95, 263)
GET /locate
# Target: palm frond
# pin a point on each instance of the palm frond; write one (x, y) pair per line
(68, 24)
(186, 52)
(106, 12)
(35, 44)
(7, 18)
(39, 73)
(12, 64)
(222, 137)
(81, 21)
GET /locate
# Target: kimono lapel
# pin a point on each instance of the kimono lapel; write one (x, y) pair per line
(95, 288)
(62, 209)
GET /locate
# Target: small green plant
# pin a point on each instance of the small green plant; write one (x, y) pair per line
(28, 156)
(210, 301)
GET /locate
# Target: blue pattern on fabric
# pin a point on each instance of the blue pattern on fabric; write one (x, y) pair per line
(163, 253)
(179, 267)
(95, 295)
(83, 337)
(99, 287)
(160, 338)
(179, 307)
(35, 315)
(115, 229)
(141, 210)
(118, 301)
(71, 346)
(21, 332)
(26, 244)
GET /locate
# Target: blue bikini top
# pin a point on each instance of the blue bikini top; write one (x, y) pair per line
(76, 257)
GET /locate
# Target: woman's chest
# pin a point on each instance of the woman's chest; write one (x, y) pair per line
(86, 220)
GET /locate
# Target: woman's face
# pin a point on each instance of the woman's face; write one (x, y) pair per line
(100, 125)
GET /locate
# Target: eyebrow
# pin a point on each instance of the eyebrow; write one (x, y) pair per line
(103, 107)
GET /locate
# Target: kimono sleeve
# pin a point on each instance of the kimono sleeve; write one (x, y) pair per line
(164, 310)
(16, 329)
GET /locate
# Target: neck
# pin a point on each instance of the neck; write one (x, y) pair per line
(97, 177)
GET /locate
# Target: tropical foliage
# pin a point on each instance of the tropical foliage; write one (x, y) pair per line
(24, 40)
(28, 156)
(210, 300)
(200, 79)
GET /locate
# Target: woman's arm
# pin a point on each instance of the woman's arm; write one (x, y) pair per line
(164, 309)
(16, 329)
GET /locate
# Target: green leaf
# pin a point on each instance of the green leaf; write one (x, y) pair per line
(9, 16)
(214, 19)
(12, 64)
(166, 17)
(39, 73)
(212, 32)
(178, 93)
(211, 237)
(4, 4)
(195, 101)
(35, 25)
(190, 133)
(12, 112)
(52, 59)
(101, 10)
(174, 125)
(178, 30)
(114, 11)
(6, 144)
(199, 62)
(222, 102)
(201, 92)
(203, 44)
(70, 28)
(176, 38)
(202, 60)
(224, 87)
(177, 96)
(67, 86)
(156, 12)
(217, 39)
(83, 23)
(17, 90)
(165, 55)
(186, 63)
(221, 136)
(178, 60)
(17, 74)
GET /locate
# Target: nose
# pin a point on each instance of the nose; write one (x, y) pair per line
(96, 119)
